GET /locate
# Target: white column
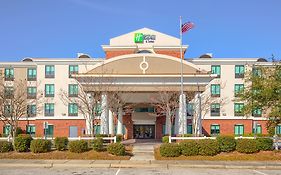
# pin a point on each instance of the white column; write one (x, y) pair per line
(176, 128)
(89, 118)
(182, 115)
(197, 123)
(110, 123)
(120, 121)
(168, 124)
(104, 115)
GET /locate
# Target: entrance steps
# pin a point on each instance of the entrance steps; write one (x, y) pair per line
(144, 149)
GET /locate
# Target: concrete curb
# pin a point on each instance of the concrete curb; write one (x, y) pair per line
(137, 164)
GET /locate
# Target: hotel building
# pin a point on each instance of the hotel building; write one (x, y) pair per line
(140, 64)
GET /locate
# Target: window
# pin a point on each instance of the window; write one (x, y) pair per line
(49, 90)
(31, 110)
(31, 92)
(278, 129)
(7, 110)
(215, 90)
(215, 129)
(216, 69)
(98, 109)
(190, 109)
(215, 109)
(257, 112)
(49, 131)
(6, 130)
(49, 109)
(96, 129)
(73, 90)
(238, 88)
(9, 74)
(72, 109)
(145, 109)
(257, 130)
(238, 109)
(239, 71)
(31, 74)
(49, 71)
(238, 129)
(30, 129)
(73, 69)
(123, 129)
(189, 128)
(164, 129)
(256, 71)
(8, 92)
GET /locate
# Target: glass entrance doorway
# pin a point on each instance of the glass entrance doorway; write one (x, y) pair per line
(144, 131)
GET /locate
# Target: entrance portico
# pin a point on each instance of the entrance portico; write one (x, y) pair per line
(137, 79)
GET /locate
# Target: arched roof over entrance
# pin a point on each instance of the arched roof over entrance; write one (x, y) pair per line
(144, 64)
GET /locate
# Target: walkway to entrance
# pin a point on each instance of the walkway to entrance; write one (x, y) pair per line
(143, 149)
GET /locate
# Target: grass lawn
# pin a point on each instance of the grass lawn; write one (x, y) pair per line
(261, 156)
(89, 155)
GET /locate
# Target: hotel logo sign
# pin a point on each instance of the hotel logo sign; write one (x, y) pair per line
(144, 38)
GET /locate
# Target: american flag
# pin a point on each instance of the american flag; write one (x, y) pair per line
(186, 26)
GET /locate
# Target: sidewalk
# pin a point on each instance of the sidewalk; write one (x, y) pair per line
(139, 164)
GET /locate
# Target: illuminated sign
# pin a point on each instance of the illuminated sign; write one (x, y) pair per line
(144, 38)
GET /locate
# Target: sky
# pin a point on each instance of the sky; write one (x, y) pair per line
(63, 28)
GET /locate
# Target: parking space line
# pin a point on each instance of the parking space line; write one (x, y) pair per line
(256, 171)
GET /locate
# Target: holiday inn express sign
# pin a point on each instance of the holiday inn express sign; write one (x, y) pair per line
(144, 38)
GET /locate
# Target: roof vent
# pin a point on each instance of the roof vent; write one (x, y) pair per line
(261, 60)
(206, 55)
(83, 55)
(27, 59)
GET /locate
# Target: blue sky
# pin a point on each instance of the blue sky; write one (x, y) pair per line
(61, 28)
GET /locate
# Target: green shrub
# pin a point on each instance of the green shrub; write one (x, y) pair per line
(170, 150)
(165, 139)
(119, 138)
(187, 135)
(117, 149)
(208, 147)
(247, 146)
(40, 146)
(226, 143)
(248, 135)
(22, 142)
(101, 135)
(61, 143)
(5, 146)
(189, 148)
(19, 131)
(98, 144)
(78, 146)
(265, 144)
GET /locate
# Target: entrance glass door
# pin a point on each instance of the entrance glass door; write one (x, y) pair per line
(144, 131)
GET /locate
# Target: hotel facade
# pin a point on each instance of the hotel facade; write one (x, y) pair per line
(139, 66)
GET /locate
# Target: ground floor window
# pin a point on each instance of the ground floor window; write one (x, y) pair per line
(189, 128)
(164, 129)
(238, 129)
(73, 131)
(97, 129)
(278, 129)
(144, 131)
(123, 129)
(49, 131)
(6, 130)
(30, 129)
(215, 129)
(257, 130)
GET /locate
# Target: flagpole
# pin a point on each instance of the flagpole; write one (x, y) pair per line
(181, 96)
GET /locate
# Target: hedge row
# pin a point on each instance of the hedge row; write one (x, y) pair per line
(208, 147)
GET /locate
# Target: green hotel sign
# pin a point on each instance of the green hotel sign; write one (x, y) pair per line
(144, 38)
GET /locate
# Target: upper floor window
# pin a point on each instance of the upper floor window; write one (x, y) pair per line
(215, 109)
(72, 109)
(257, 112)
(49, 109)
(31, 110)
(8, 92)
(215, 90)
(238, 88)
(49, 71)
(9, 74)
(256, 71)
(73, 69)
(238, 109)
(216, 69)
(31, 74)
(73, 90)
(49, 90)
(31, 92)
(145, 109)
(239, 71)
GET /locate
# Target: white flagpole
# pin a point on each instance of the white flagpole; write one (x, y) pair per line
(181, 56)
